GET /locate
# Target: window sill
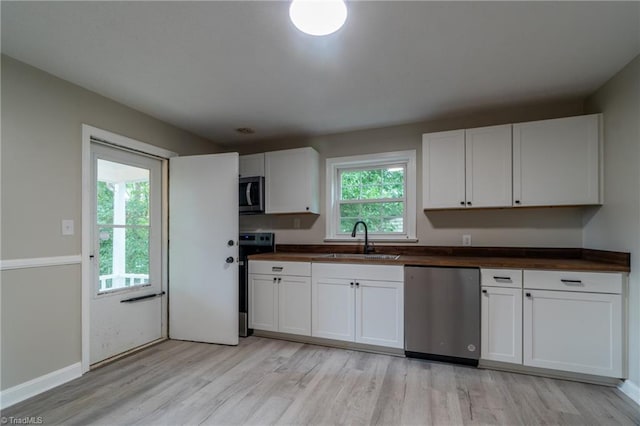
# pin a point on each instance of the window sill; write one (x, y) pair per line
(371, 240)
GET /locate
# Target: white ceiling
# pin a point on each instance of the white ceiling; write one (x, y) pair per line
(211, 67)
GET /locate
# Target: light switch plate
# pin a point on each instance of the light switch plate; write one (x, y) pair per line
(67, 227)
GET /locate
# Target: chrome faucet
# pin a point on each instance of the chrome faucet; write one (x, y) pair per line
(367, 249)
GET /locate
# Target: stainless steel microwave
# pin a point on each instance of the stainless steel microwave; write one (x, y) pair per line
(251, 195)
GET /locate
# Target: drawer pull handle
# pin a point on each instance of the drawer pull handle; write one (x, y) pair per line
(571, 282)
(502, 278)
(484, 291)
(277, 268)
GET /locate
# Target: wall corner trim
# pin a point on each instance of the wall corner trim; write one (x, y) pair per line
(631, 389)
(39, 262)
(18, 393)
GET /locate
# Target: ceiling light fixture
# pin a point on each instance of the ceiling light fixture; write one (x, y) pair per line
(318, 17)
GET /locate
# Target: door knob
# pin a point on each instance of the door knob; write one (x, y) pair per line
(229, 259)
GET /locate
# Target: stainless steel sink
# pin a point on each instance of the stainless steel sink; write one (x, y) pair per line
(361, 256)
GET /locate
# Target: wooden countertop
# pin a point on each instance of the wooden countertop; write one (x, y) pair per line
(551, 263)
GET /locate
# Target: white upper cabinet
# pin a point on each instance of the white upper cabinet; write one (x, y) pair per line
(292, 181)
(252, 165)
(557, 162)
(488, 166)
(443, 178)
(467, 168)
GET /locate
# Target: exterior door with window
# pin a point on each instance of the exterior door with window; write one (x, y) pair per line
(125, 308)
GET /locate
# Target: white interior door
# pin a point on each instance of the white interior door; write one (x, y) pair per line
(126, 310)
(203, 251)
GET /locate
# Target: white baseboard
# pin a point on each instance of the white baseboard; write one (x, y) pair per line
(631, 390)
(18, 393)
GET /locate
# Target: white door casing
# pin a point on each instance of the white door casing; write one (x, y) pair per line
(203, 268)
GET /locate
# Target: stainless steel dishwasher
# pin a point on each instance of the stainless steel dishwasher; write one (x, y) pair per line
(442, 313)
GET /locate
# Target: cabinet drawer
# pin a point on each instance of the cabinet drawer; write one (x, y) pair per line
(359, 271)
(302, 269)
(501, 277)
(589, 282)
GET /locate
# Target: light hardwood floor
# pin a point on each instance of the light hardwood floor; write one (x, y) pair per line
(264, 381)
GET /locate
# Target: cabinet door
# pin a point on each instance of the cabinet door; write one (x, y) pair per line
(332, 308)
(380, 313)
(292, 181)
(488, 166)
(252, 165)
(443, 178)
(263, 302)
(501, 324)
(556, 162)
(571, 331)
(295, 305)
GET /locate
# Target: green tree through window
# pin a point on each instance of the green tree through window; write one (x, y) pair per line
(136, 238)
(375, 196)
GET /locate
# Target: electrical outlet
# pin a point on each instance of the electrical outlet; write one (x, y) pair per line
(466, 240)
(67, 227)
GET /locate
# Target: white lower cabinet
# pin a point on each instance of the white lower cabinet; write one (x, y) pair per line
(358, 303)
(501, 315)
(333, 308)
(263, 302)
(573, 331)
(560, 320)
(501, 324)
(277, 301)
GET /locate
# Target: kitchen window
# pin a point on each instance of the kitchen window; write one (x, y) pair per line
(378, 189)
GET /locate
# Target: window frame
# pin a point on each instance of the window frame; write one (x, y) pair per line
(380, 160)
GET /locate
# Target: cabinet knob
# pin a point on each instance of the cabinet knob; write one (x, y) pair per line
(357, 284)
(484, 291)
(528, 294)
(229, 259)
(351, 284)
(462, 203)
(517, 201)
(230, 243)
(468, 203)
(307, 208)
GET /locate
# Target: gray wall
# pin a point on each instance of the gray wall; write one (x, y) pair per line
(616, 225)
(41, 185)
(544, 227)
